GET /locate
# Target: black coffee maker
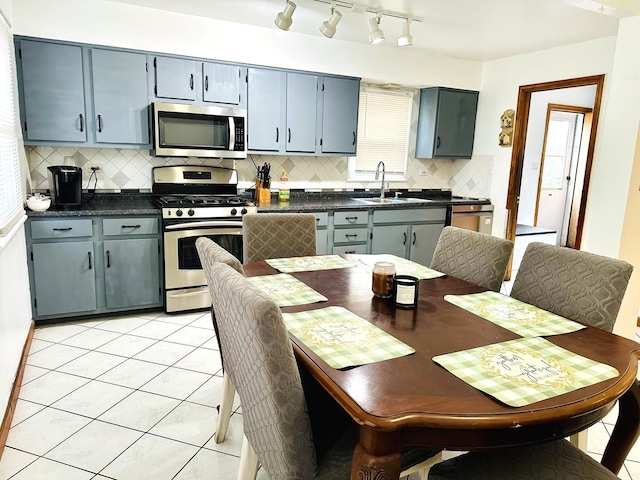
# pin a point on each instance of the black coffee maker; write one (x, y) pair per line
(65, 183)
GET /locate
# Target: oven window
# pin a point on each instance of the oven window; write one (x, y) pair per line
(193, 131)
(188, 255)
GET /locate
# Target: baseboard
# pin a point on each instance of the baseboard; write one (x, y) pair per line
(15, 391)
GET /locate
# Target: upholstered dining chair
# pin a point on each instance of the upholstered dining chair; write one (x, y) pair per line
(210, 252)
(278, 235)
(259, 359)
(472, 256)
(579, 285)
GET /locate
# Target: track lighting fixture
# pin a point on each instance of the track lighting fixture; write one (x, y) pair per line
(375, 34)
(328, 27)
(283, 20)
(405, 40)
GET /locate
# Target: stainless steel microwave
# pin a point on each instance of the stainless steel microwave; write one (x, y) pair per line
(183, 130)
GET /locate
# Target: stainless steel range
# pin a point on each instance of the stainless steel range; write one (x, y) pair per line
(196, 201)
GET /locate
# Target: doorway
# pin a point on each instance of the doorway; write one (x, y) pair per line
(583, 172)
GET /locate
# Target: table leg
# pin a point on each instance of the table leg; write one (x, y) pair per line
(626, 431)
(379, 465)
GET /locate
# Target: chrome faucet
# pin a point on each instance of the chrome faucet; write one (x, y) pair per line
(380, 164)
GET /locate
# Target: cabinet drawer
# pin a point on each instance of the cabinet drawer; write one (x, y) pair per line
(322, 218)
(410, 215)
(350, 235)
(129, 226)
(350, 218)
(350, 249)
(62, 228)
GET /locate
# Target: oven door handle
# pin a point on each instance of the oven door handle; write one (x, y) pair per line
(216, 223)
(189, 294)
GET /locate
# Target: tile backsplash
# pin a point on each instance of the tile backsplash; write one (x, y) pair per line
(131, 169)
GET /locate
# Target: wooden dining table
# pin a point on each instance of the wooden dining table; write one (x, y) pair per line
(411, 401)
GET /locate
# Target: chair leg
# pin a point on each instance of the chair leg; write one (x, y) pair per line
(423, 467)
(579, 440)
(224, 415)
(249, 462)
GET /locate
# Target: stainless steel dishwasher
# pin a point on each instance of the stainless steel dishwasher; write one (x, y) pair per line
(478, 218)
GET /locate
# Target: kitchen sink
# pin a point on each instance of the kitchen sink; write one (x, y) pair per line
(378, 200)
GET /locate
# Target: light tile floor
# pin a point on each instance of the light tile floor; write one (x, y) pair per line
(134, 398)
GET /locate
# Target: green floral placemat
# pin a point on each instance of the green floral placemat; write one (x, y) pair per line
(403, 266)
(343, 339)
(307, 264)
(286, 290)
(519, 317)
(526, 370)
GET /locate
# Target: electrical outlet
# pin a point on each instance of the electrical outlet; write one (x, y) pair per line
(96, 168)
(423, 173)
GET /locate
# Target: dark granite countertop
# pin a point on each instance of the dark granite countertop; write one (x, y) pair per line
(105, 204)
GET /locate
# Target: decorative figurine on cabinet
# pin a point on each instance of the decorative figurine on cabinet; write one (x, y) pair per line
(505, 138)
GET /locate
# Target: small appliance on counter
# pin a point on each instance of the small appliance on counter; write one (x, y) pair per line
(65, 183)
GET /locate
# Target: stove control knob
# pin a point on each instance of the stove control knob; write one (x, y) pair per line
(234, 211)
(243, 211)
(191, 212)
(179, 213)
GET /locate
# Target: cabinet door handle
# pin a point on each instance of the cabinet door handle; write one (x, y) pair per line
(277, 134)
(351, 235)
(108, 259)
(89, 254)
(404, 242)
(438, 142)
(354, 138)
(81, 123)
(289, 130)
(206, 83)
(100, 123)
(414, 239)
(129, 226)
(191, 82)
(66, 229)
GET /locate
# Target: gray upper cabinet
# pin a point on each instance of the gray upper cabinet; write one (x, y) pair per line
(120, 97)
(339, 115)
(175, 78)
(446, 123)
(265, 114)
(222, 83)
(52, 92)
(302, 104)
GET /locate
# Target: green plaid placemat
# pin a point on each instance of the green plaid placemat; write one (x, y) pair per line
(343, 339)
(307, 264)
(286, 290)
(403, 266)
(519, 317)
(526, 370)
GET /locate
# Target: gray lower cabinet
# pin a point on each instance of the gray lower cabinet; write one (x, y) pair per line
(322, 220)
(85, 266)
(350, 231)
(411, 233)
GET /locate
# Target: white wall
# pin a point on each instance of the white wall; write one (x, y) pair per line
(116, 24)
(577, 97)
(15, 305)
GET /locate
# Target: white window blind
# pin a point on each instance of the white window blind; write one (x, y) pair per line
(11, 203)
(384, 120)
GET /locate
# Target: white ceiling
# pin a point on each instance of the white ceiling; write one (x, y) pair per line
(471, 29)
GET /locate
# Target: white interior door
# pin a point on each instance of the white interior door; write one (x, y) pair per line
(557, 177)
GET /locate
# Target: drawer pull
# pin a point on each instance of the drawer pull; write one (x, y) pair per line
(89, 254)
(351, 219)
(129, 226)
(108, 259)
(351, 236)
(350, 251)
(66, 229)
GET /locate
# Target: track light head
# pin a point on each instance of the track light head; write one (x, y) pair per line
(406, 40)
(328, 27)
(283, 20)
(375, 34)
